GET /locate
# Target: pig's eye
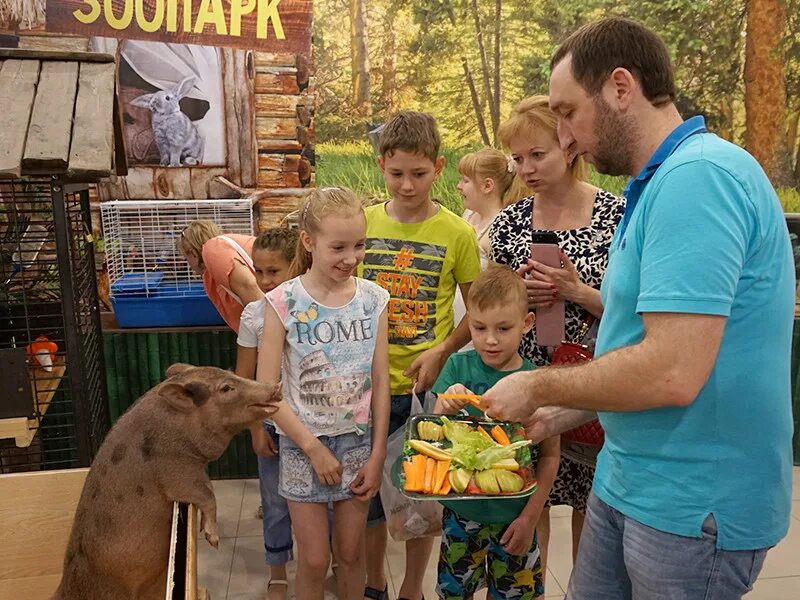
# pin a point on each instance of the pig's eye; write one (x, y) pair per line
(226, 388)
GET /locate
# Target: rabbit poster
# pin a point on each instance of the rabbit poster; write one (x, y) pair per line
(172, 104)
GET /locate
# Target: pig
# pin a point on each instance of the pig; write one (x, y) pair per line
(155, 454)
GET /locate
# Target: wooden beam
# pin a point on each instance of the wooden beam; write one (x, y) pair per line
(18, 79)
(120, 155)
(239, 118)
(191, 554)
(271, 145)
(50, 129)
(277, 105)
(19, 429)
(93, 129)
(20, 53)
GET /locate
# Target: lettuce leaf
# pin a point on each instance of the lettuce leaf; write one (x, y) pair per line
(466, 447)
(455, 431)
(486, 458)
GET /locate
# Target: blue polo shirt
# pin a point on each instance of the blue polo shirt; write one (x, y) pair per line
(704, 233)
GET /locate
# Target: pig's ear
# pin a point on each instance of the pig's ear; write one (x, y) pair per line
(185, 397)
(178, 368)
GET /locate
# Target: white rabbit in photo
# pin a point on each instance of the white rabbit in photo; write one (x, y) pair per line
(178, 140)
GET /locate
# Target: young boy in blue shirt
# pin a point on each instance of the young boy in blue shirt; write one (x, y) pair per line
(493, 542)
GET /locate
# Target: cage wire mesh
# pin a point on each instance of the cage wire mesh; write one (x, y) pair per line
(49, 316)
(141, 241)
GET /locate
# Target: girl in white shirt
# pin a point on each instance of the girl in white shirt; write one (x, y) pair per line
(326, 340)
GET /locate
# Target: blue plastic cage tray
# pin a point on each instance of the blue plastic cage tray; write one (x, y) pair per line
(166, 305)
(138, 284)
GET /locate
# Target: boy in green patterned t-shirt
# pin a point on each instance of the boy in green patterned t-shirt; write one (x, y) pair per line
(493, 542)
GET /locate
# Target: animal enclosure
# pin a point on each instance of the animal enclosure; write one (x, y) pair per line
(58, 135)
(49, 321)
(151, 282)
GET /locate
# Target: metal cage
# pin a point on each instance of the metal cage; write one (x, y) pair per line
(53, 407)
(151, 282)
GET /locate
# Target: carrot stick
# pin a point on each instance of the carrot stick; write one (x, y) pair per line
(418, 471)
(484, 433)
(446, 487)
(442, 468)
(499, 434)
(473, 399)
(430, 468)
(408, 470)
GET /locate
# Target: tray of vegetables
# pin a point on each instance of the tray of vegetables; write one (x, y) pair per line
(463, 458)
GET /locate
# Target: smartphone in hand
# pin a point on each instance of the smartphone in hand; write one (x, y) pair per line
(550, 328)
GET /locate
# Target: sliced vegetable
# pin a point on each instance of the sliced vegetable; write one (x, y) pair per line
(509, 464)
(486, 458)
(483, 432)
(430, 470)
(472, 487)
(459, 479)
(418, 463)
(430, 431)
(442, 467)
(487, 481)
(510, 483)
(429, 449)
(408, 471)
(496, 481)
(445, 489)
(455, 431)
(499, 434)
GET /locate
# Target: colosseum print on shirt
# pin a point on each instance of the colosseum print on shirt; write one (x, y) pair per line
(327, 357)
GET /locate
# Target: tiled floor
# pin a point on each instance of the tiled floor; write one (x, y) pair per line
(236, 570)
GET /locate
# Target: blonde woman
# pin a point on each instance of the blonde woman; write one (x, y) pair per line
(584, 217)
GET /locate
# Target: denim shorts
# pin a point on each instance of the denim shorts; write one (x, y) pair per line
(400, 412)
(298, 481)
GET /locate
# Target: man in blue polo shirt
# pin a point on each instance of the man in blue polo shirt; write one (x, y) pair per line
(691, 379)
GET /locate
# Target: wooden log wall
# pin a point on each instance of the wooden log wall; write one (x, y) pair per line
(284, 109)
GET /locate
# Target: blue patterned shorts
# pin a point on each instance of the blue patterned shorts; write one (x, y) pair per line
(299, 483)
(471, 557)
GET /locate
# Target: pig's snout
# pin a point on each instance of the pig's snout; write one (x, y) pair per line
(262, 396)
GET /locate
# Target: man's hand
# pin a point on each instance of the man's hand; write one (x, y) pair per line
(327, 468)
(367, 483)
(426, 368)
(513, 398)
(549, 421)
(518, 537)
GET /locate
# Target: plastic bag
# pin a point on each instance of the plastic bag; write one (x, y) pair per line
(406, 519)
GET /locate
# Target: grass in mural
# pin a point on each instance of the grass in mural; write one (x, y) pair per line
(352, 164)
